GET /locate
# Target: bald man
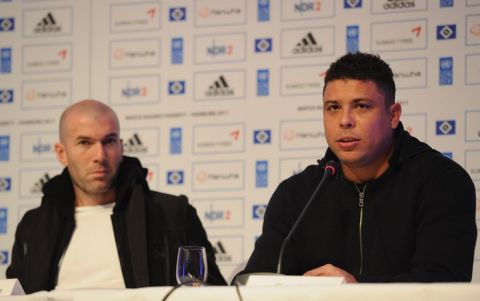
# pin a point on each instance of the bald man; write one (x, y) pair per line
(99, 225)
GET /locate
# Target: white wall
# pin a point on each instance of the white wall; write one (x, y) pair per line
(240, 139)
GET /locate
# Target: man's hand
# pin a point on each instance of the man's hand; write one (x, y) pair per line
(331, 270)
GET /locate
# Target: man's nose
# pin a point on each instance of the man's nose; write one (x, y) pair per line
(99, 152)
(346, 119)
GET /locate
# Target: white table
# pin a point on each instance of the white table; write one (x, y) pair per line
(346, 292)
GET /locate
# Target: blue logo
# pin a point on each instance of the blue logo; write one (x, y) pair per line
(446, 3)
(263, 14)
(445, 71)
(5, 60)
(177, 51)
(4, 148)
(353, 35)
(5, 184)
(175, 177)
(263, 45)
(263, 79)
(177, 14)
(175, 140)
(352, 4)
(258, 211)
(445, 127)
(3, 220)
(3, 257)
(7, 24)
(262, 136)
(448, 155)
(446, 32)
(176, 87)
(6, 96)
(261, 174)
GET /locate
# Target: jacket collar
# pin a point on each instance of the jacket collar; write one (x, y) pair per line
(59, 190)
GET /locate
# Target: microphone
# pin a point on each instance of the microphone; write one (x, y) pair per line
(330, 169)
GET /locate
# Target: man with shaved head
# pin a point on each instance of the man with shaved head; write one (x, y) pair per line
(99, 225)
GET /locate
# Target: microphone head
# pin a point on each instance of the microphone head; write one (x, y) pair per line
(331, 167)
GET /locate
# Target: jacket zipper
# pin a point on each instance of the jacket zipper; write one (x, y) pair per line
(361, 204)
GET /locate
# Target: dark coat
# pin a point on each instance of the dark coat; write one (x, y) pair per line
(418, 221)
(149, 227)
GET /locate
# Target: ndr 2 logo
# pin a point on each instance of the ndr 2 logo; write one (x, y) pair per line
(306, 6)
(215, 215)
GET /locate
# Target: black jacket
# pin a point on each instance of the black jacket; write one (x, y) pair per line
(148, 226)
(418, 221)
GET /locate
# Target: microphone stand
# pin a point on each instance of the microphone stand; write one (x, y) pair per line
(330, 169)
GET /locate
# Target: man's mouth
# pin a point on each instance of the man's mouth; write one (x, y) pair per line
(347, 139)
(99, 172)
(348, 142)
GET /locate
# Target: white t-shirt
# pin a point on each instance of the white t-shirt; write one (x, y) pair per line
(91, 259)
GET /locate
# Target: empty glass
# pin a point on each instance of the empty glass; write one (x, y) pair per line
(192, 265)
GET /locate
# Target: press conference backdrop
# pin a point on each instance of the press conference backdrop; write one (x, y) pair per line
(220, 99)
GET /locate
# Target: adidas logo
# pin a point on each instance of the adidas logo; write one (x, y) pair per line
(219, 88)
(47, 24)
(220, 252)
(37, 187)
(134, 145)
(307, 45)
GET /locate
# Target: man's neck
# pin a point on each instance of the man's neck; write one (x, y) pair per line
(83, 199)
(362, 174)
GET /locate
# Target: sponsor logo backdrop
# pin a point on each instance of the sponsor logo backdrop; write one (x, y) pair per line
(222, 99)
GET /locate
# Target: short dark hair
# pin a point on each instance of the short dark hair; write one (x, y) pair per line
(364, 66)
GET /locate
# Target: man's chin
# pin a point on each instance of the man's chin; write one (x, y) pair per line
(100, 187)
(349, 158)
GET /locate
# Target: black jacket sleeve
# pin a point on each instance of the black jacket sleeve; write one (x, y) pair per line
(17, 264)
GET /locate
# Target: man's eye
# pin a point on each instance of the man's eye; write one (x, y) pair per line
(333, 108)
(363, 106)
(110, 140)
(84, 142)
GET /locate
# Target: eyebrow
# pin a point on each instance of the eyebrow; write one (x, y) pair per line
(111, 135)
(356, 100)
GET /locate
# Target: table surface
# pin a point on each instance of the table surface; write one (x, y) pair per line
(357, 292)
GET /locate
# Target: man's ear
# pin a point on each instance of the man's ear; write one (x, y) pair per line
(395, 112)
(61, 155)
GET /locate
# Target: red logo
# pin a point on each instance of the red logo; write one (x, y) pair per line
(289, 135)
(475, 30)
(151, 13)
(417, 30)
(62, 53)
(235, 134)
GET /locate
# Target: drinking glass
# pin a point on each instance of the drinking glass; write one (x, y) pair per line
(191, 265)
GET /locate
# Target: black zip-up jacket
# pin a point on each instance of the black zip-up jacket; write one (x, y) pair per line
(148, 226)
(418, 222)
